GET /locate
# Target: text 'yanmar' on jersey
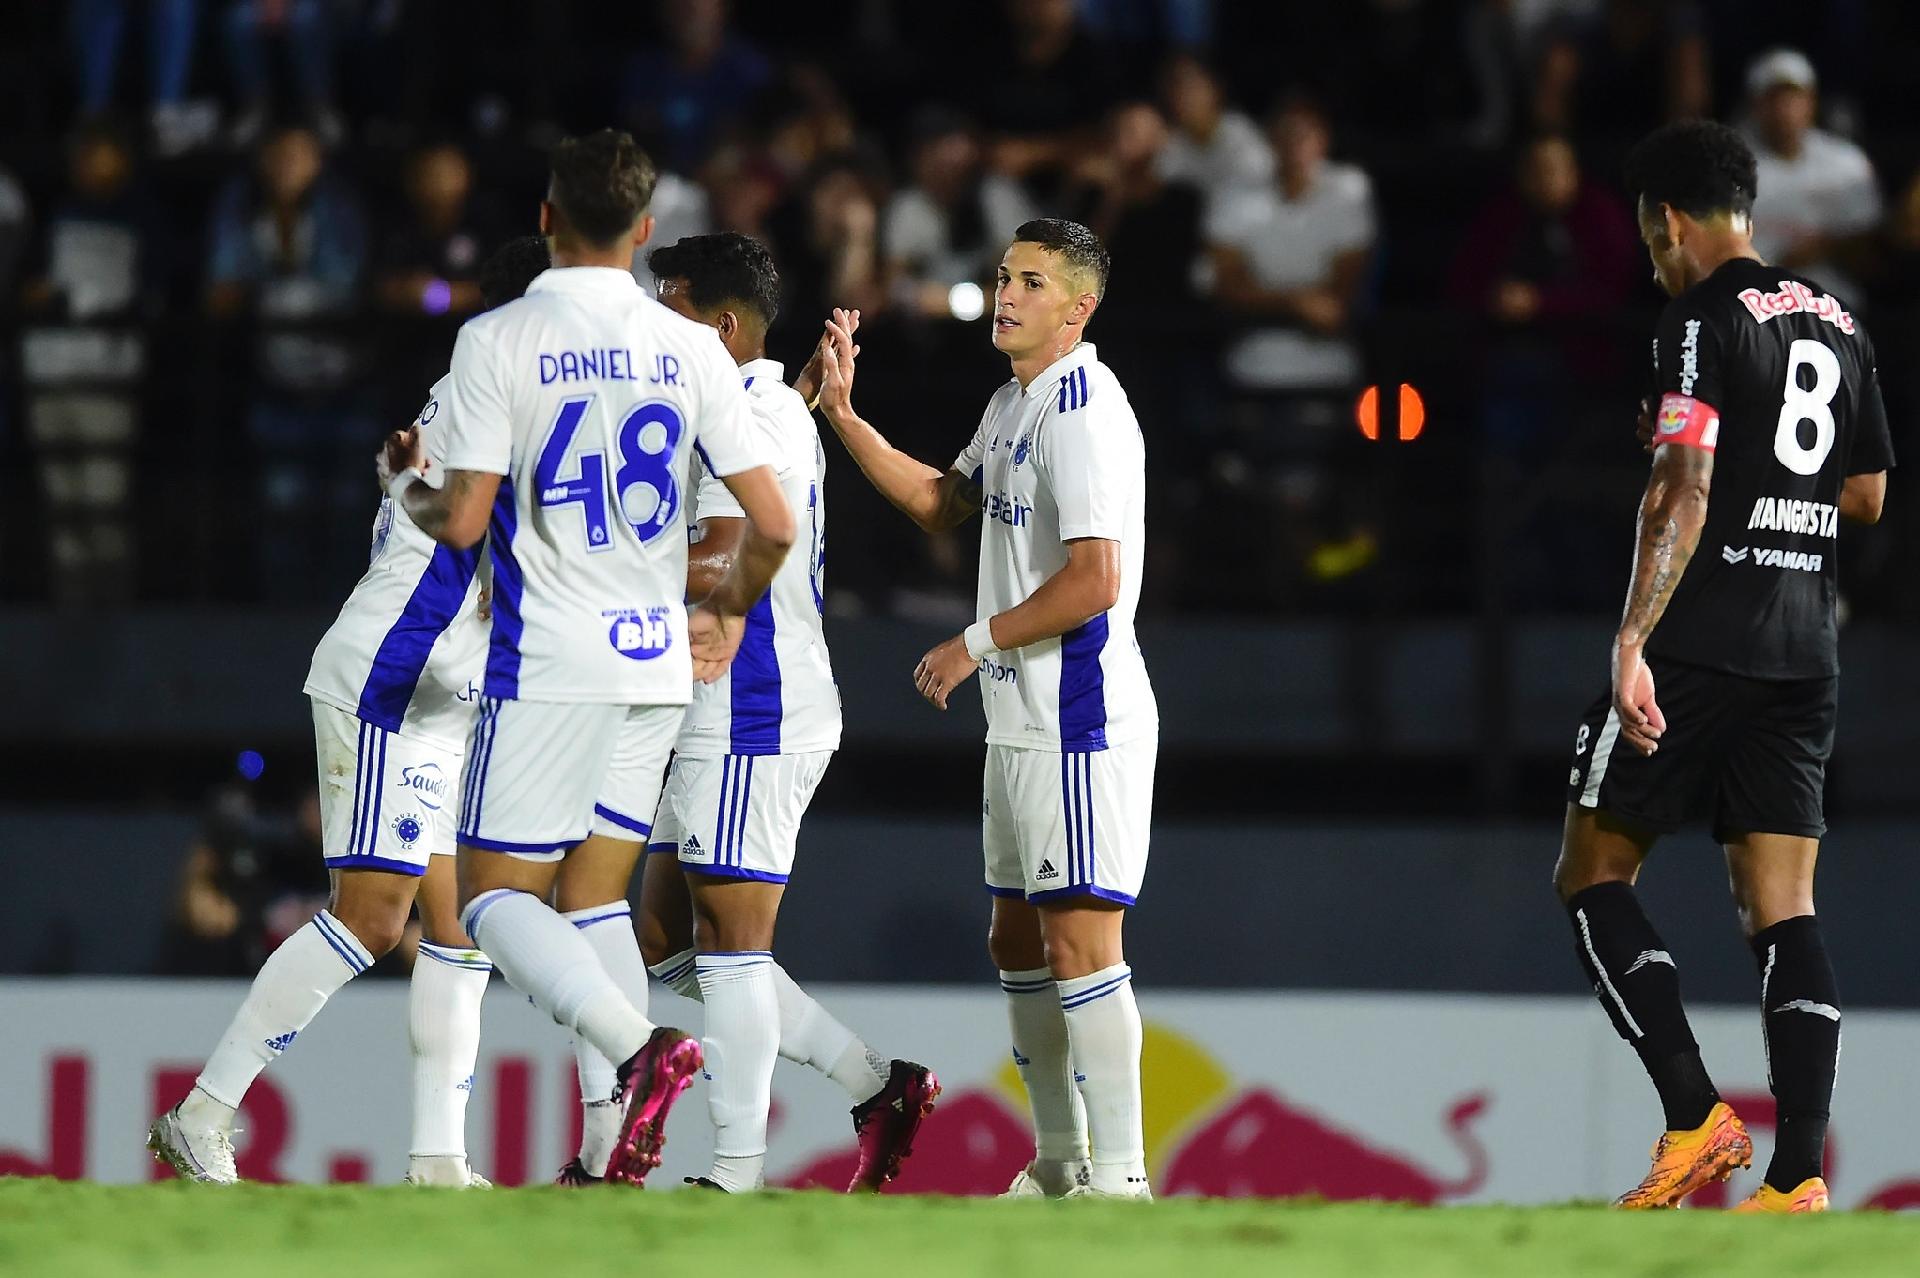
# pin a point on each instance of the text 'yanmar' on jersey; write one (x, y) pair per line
(1770, 371)
(591, 397)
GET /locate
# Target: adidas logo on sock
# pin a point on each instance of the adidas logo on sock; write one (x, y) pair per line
(282, 1042)
(466, 1084)
(1047, 871)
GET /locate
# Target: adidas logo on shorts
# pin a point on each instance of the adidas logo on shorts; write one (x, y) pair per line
(1047, 871)
(690, 846)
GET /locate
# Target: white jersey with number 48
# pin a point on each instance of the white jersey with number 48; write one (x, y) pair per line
(590, 398)
(1061, 460)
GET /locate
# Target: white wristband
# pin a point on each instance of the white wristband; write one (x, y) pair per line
(403, 481)
(979, 638)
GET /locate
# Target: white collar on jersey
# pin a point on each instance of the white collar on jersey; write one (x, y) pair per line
(771, 369)
(591, 279)
(1047, 377)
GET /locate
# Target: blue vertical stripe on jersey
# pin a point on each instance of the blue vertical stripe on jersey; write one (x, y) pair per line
(756, 686)
(1083, 687)
(402, 654)
(509, 585)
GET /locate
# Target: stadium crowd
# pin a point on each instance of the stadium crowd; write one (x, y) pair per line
(236, 237)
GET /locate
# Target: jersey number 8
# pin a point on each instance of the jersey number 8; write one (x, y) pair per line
(1802, 405)
(645, 484)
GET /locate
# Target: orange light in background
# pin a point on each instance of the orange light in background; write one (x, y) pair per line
(1367, 412)
(1413, 413)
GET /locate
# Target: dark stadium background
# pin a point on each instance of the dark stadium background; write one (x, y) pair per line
(1370, 656)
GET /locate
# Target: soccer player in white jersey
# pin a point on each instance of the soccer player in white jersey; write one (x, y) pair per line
(1059, 468)
(393, 685)
(571, 419)
(753, 748)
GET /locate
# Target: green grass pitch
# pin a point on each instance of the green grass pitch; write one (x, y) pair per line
(78, 1230)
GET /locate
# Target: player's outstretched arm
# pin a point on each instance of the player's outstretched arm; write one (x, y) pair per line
(715, 626)
(454, 514)
(1672, 514)
(1086, 586)
(935, 500)
(711, 557)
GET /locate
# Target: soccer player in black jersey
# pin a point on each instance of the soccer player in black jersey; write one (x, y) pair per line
(1768, 431)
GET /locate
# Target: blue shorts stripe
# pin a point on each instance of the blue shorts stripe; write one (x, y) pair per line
(720, 814)
(1085, 889)
(360, 769)
(369, 861)
(640, 828)
(379, 793)
(470, 840)
(1086, 814)
(994, 889)
(736, 872)
(663, 849)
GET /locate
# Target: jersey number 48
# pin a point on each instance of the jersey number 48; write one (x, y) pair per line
(646, 483)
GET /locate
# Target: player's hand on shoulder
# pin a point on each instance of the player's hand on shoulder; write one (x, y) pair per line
(401, 450)
(1643, 425)
(712, 638)
(944, 669)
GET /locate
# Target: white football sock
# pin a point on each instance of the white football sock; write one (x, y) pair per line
(609, 930)
(742, 1043)
(809, 1034)
(292, 986)
(1103, 1024)
(1040, 1050)
(548, 960)
(677, 974)
(443, 1029)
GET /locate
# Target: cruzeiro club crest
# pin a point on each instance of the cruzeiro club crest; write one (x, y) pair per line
(408, 828)
(1022, 450)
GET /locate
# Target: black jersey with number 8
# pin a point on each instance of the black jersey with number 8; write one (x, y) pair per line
(1771, 372)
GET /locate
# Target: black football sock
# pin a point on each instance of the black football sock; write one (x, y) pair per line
(1638, 985)
(1800, 1013)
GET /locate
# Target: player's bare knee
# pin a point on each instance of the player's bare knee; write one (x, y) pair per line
(658, 943)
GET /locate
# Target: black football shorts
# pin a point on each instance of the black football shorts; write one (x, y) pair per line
(1749, 756)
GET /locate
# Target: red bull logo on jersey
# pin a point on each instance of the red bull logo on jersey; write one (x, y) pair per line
(641, 635)
(1795, 298)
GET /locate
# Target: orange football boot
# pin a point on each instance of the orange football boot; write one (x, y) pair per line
(1686, 1161)
(1808, 1195)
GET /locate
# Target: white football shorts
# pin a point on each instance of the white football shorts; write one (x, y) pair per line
(539, 773)
(737, 816)
(1059, 825)
(387, 800)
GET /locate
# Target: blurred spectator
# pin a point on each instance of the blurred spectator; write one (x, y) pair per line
(98, 29)
(1612, 79)
(250, 880)
(1046, 86)
(1554, 246)
(306, 31)
(1215, 148)
(827, 241)
(952, 224)
(680, 208)
(1295, 255)
(1151, 226)
(804, 120)
(705, 78)
(289, 244)
(82, 361)
(1815, 188)
(15, 221)
(429, 262)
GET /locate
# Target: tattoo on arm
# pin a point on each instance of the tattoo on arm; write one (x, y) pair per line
(960, 500)
(1671, 518)
(430, 508)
